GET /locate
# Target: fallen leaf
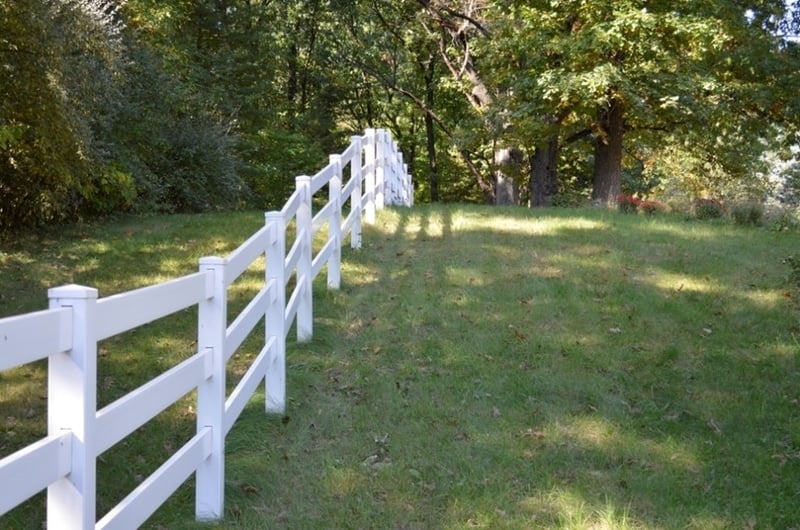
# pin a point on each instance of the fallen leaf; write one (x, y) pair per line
(615, 330)
(495, 412)
(247, 488)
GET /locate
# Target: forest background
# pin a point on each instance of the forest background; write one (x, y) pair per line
(195, 105)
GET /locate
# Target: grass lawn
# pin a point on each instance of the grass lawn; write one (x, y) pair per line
(479, 368)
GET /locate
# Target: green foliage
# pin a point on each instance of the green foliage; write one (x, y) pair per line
(278, 157)
(783, 219)
(636, 180)
(53, 97)
(747, 213)
(681, 74)
(185, 106)
(708, 208)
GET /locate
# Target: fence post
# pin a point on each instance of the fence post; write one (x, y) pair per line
(401, 177)
(409, 185)
(305, 315)
(392, 188)
(335, 230)
(370, 162)
(380, 165)
(211, 393)
(356, 197)
(275, 319)
(72, 406)
(405, 182)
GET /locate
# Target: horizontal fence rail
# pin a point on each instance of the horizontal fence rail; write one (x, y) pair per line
(365, 177)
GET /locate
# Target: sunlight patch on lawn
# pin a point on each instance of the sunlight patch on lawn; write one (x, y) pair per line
(764, 298)
(596, 433)
(673, 282)
(358, 275)
(783, 350)
(462, 276)
(527, 226)
(341, 482)
(568, 510)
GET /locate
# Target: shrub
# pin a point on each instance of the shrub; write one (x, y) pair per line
(708, 208)
(652, 207)
(747, 213)
(627, 203)
(782, 219)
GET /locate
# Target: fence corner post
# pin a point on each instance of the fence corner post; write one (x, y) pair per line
(72, 406)
(275, 317)
(305, 273)
(211, 393)
(335, 230)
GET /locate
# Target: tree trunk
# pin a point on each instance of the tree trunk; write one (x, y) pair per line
(543, 183)
(507, 162)
(607, 178)
(430, 129)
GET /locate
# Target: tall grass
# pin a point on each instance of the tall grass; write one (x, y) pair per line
(479, 368)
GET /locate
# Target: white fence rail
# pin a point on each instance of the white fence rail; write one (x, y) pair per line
(67, 334)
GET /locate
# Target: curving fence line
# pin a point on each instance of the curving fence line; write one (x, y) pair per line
(67, 334)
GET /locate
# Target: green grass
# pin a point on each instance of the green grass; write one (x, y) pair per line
(479, 368)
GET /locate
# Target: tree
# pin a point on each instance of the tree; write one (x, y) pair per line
(635, 72)
(57, 93)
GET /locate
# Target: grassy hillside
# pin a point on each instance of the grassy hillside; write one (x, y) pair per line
(479, 368)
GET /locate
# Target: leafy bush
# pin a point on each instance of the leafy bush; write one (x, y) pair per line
(782, 219)
(708, 208)
(569, 198)
(652, 207)
(627, 203)
(747, 213)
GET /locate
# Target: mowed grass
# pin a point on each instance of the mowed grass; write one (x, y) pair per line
(479, 368)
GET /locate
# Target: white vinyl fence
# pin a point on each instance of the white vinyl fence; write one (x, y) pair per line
(67, 333)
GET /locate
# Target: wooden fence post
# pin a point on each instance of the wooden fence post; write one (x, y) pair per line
(305, 315)
(356, 197)
(275, 319)
(72, 406)
(211, 393)
(370, 162)
(335, 223)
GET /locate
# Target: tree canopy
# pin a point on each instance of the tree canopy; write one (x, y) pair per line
(177, 105)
